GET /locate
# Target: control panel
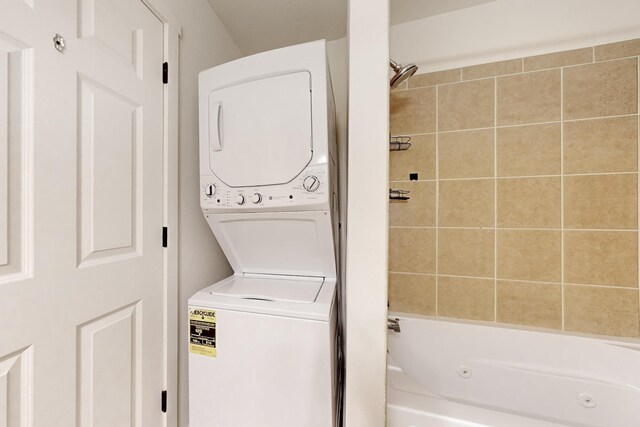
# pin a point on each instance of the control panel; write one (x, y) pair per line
(308, 190)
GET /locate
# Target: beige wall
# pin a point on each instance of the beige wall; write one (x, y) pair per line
(525, 208)
(204, 44)
(507, 29)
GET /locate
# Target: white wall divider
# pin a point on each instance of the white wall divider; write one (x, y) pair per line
(367, 238)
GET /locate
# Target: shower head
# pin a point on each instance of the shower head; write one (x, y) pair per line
(402, 72)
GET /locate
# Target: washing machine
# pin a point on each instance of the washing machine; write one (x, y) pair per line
(262, 342)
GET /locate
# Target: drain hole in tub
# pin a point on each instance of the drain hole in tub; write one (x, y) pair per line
(586, 400)
(258, 299)
(464, 371)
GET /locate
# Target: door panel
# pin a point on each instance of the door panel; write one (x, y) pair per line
(81, 291)
(16, 133)
(4, 153)
(109, 163)
(15, 388)
(109, 351)
(111, 24)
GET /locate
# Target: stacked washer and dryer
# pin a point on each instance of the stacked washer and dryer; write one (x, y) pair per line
(263, 342)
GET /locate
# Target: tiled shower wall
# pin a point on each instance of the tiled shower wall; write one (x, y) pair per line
(525, 207)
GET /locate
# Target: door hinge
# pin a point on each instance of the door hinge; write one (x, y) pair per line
(165, 236)
(164, 401)
(165, 72)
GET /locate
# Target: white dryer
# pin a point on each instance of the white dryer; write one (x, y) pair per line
(262, 348)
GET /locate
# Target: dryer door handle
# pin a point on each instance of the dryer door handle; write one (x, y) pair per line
(215, 126)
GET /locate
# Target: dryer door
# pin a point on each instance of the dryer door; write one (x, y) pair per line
(260, 131)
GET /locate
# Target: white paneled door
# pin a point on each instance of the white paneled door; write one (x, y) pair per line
(81, 195)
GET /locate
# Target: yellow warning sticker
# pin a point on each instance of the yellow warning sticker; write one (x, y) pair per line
(202, 331)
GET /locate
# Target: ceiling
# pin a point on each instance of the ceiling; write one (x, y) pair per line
(409, 10)
(259, 25)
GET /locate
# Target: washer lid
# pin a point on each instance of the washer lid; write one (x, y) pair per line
(315, 301)
(260, 131)
(274, 289)
(296, 244)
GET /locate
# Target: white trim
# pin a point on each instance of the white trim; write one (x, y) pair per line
(170, 208)
(164, 14)
(170, 138)
(367, 214)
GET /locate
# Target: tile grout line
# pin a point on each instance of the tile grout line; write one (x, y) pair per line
(495, 198)
(416, 134)
(575, 230)
(581, 64)
(437, 207)
(552, 122)
(532, 282)
(562, 311)
(513, 177)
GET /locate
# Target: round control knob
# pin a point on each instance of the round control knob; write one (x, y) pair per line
(209, 190)
(311, 183)
(240, 199)
(256, 198)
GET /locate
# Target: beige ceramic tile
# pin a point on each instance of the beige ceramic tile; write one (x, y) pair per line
(559, 59)
(601, 201)
(529, 150)
(465, 298)
(403, 86)
(411, 293)
(493, 69)
(467, 105)
(464, 252)
(420, 158)
(533, 255)
(467, 154)
(466, 203)
(412, 250)
(618, 50)
(437, 78)
(601, 257)
(601, 89)
(412, 111)
(419, 210)
(601, 145)
(529, 202)
(605, 311)
(529, 304)
(528, 98)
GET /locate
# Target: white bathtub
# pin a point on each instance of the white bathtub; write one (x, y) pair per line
(449, 373)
